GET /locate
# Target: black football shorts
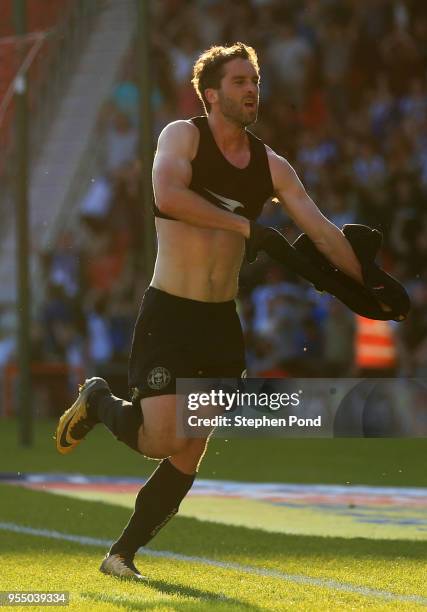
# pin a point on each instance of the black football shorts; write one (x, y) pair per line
(176, 337)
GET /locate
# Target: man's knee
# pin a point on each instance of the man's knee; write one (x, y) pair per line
(189, 459)
(171, 446)
(162, 445)
(157, 437)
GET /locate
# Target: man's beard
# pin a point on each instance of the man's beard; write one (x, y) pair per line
(237, 113)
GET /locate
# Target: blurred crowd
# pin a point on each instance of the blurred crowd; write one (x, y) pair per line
(344, 99)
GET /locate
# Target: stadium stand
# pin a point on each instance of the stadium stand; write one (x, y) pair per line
(344, 99)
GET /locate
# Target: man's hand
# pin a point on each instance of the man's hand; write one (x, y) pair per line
(259, 237)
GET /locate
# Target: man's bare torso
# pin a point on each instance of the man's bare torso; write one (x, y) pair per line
(199, 263)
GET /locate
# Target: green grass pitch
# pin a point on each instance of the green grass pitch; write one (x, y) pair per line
(278, 571)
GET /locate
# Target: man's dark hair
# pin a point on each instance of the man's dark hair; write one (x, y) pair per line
(208, 69)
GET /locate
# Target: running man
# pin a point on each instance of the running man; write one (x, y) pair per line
(211, 178)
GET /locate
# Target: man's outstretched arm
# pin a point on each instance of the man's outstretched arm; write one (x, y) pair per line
(172, 177)
(329, 240)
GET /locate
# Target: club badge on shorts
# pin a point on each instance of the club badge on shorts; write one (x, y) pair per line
(158, 378)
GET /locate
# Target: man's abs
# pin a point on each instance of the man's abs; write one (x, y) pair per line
(196, 263)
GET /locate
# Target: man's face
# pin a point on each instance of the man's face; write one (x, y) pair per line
(238, 95)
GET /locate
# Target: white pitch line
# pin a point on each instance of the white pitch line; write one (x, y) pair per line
(228, 565)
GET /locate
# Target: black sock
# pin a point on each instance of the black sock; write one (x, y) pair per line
(122, 418)
(155, 504)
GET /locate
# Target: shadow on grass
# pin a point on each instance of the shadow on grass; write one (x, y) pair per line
(178, 589)
(165, 588)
